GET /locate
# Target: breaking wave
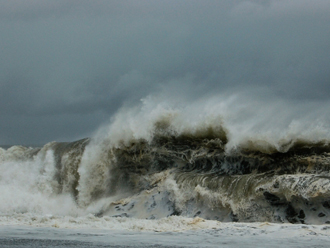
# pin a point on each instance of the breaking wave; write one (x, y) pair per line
(159, 160)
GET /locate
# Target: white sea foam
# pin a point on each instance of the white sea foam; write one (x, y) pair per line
(28, 185)
(71, 185)
(168, 232)
(260, 124)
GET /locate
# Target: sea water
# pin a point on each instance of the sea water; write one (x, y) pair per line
(160, 175)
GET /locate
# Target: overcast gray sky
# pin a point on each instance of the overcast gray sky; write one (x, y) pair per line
(66, 66)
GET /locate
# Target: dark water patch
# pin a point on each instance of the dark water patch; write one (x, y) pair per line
(67, 159)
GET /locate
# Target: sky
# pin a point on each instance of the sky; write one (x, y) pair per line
(67, 66)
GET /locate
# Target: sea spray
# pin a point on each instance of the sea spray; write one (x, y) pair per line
(212, 160)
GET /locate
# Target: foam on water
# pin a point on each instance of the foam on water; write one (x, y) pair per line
(227, 158)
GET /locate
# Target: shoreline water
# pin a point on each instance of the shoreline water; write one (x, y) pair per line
(227, 235)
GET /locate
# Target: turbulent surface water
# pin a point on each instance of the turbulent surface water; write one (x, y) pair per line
(231, 160)
(187, 174)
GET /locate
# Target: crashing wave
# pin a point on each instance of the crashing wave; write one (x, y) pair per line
(187, 174)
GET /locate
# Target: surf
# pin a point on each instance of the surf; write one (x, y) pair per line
(210, 160)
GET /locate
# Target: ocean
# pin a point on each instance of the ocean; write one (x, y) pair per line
(163, 179)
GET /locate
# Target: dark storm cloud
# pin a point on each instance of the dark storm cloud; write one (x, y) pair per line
(67, 66)
(32, 9)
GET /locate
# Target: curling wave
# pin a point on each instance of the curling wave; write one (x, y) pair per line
(164, 164)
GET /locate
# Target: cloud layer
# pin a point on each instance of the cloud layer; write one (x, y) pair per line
(68, 66)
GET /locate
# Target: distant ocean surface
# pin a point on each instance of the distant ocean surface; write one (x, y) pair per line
(164, 172)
